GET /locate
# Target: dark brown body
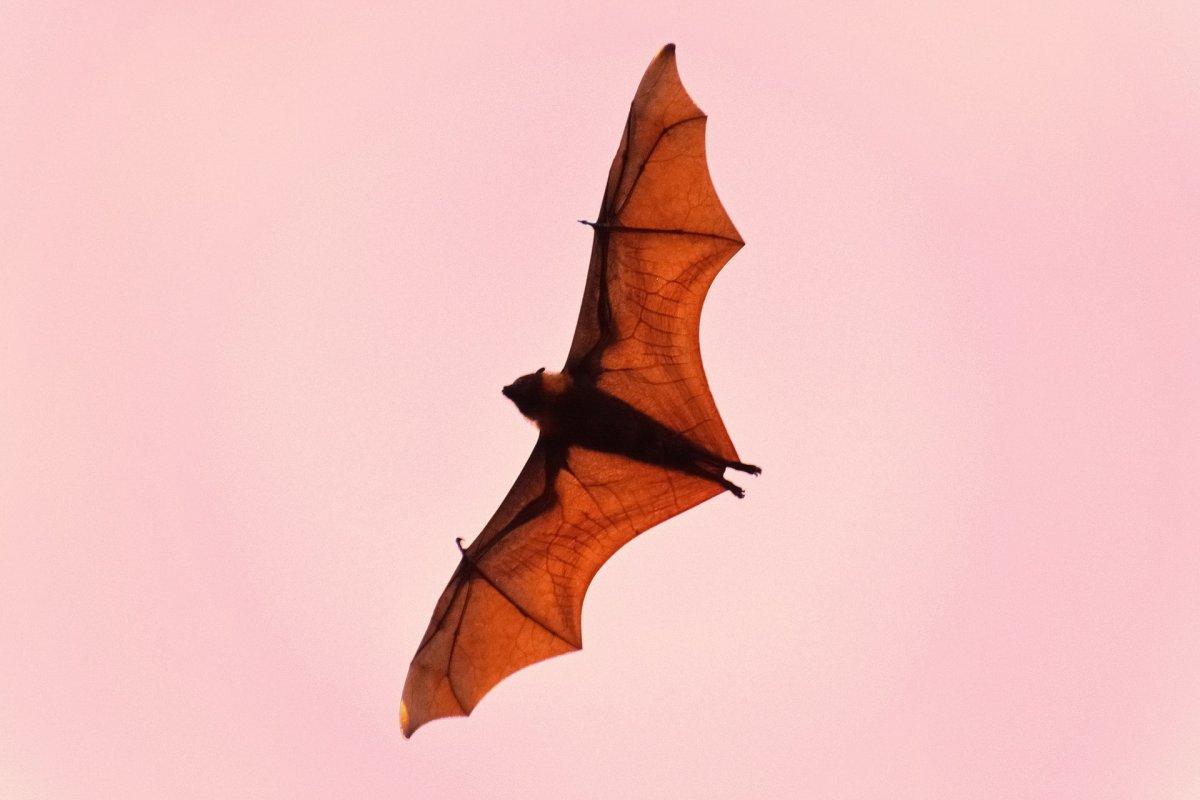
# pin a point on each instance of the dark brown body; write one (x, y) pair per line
(576, 413)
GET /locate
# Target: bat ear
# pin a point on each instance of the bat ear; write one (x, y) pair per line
(540, 371)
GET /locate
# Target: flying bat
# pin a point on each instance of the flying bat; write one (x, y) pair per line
(629, 434)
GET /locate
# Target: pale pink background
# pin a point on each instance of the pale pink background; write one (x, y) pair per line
(263, 273)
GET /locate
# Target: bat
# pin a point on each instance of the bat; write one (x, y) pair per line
(629, 434)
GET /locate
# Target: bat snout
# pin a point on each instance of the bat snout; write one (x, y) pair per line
(507, 391)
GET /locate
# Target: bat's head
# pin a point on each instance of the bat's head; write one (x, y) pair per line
(535, 393)
(526, 391)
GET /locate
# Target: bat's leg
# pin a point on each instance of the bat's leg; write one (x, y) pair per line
(740, 467)
(604, 423)
(721, 464)
(738, 491)
(713, 473)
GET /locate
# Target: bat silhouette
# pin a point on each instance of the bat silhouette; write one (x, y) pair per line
(629, 434)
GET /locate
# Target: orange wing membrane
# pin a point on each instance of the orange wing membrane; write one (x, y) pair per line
(630, 435)
(662, 235)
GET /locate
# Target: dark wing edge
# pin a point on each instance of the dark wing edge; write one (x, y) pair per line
(660, 239)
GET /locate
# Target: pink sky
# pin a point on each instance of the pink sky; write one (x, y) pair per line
(262, 275)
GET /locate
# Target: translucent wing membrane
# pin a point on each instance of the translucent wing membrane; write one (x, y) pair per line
(660, 239)
(517, 595)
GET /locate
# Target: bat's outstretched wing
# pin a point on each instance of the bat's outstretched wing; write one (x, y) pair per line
(660, 239)
(516, 596)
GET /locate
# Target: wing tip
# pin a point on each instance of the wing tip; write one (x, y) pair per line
(664, 70)
(405, 727)
(427, 695)
(409, 726)
(666, 57)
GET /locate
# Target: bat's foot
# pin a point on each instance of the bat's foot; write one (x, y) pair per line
(753, 470)
(738, 491)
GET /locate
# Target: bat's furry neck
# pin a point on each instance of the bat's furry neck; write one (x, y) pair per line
(555, 384)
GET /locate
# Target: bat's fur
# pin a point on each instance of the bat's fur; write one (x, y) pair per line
(580, 414)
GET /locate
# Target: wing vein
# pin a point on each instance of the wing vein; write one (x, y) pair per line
(433, 629)
(646, 160)
(674, 231)
(520, 609)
